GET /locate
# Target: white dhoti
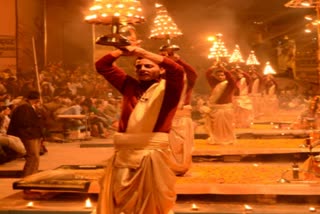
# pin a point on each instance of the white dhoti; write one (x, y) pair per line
(141, 162)
(220, 124)
(181, 139)
(243, 111)
(257, 104)
(139, 177)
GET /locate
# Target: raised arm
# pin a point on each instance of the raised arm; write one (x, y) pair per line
(113, 74)
(191, 76)
(140, 52)
(190, 73)
(210, 78)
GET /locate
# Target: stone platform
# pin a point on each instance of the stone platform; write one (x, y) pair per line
(203, 178)
(263, 130)
(243, 148)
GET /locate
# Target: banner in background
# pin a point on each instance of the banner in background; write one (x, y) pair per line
(8, 55)
(7, 46)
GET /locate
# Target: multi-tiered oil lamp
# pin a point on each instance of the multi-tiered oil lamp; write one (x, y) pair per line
(118, 14)
(268, 70)
(252, 59)
(236, 56)
(164, 28)
(218, 50)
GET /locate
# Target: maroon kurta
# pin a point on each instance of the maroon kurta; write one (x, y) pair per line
(132, 89)
(248, 82)
(192, 76)
(227, 95)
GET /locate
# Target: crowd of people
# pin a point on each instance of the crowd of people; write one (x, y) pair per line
(30, 110)
(63, 92)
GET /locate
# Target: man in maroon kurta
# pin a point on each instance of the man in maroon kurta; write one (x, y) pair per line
(270, 97)
(220, 115)
(139, 176)
(181, 136)
(242, 102)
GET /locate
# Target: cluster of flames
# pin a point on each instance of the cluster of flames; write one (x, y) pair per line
(219, 52)
(163, 26)
(130, 12)
(104, 12)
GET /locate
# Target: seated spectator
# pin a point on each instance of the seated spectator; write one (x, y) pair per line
(47, 90)
(70, 108)
(11, 147)
(98, 121)
(3, 89)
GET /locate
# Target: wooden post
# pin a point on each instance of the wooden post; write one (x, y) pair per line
(36, 67)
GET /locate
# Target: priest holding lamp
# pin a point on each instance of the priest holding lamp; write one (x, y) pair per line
(139, 176)
(181, 136)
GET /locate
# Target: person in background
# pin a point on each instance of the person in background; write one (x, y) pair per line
(26, 124)
(242, 102)
(98, 121)
(220, 113)
(11, 146)
(181, 136)
(256, 92)
(270, 96)
(139, 177)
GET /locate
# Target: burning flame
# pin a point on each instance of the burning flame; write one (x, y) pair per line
(88, 203)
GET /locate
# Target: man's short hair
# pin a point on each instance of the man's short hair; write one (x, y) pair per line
(33, 95)
(86, 102)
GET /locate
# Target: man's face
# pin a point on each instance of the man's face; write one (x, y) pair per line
(220, 76)
(147, 70)
(35, 102)
(254, 76)
(239, 74)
